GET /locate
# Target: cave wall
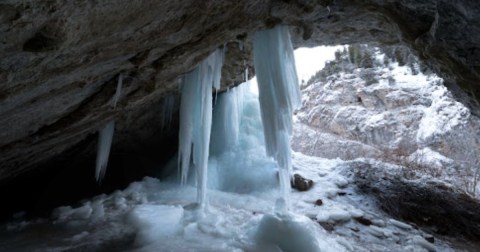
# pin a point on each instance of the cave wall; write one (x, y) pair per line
(60, 60)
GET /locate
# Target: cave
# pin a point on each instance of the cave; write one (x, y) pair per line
(61, 62)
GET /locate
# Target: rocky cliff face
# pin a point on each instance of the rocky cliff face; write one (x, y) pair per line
(391, 113)
(60, 60)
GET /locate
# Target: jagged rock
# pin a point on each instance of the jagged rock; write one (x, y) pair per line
(328, 226)
(429, 238)
(364, 221)
(430, 205)
(300, 183)
(61, 59)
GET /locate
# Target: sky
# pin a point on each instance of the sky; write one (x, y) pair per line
(310, 60)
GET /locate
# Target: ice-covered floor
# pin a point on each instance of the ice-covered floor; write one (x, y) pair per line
(151, 215)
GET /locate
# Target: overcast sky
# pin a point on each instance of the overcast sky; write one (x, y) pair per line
(310, 60)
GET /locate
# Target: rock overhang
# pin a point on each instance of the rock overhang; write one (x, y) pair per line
(60, 60)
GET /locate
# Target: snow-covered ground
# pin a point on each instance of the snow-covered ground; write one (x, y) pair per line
(151, 215)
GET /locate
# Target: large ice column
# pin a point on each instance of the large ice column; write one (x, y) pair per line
(196, 120)
(279, 94)
(105, 136)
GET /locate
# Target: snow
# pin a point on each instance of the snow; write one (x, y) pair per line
(105, 136)
(159, 216)
(429, 157)
(155, 222)
(442, 116)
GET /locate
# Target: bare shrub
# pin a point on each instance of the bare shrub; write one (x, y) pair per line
(411, 167)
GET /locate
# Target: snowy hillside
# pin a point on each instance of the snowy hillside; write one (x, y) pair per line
(389, 112)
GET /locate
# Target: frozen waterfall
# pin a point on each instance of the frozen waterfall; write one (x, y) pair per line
(196, 120)
(279, 94)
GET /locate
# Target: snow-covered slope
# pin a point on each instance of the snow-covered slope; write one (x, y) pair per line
(393, 115)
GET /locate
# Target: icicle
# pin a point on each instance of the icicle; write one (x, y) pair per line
(279, 94)
(226, 119)
(167, 112)
(105, 136)
(118, 91)
(196, 120)
(217, 63)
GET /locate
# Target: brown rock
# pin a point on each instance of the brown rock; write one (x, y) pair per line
(300, 183)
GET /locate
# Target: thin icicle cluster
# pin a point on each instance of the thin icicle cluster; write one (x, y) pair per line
(196, 120)
(118, 91)
(167, 112)
(226, 119)
(279, 94)
(105, 136)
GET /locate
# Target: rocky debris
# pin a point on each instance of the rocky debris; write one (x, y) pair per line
(318, 202)
(432, 206)
(429, 238)
(400, 224)
(300, 183)
(424, 243)
(342, 183)
(364, 221)
(328, 226)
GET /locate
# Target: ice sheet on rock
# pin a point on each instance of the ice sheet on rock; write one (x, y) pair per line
(278, 90)
(196, 120)
(105, 136)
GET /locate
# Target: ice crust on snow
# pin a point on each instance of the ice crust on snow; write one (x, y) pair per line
(156, 222)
